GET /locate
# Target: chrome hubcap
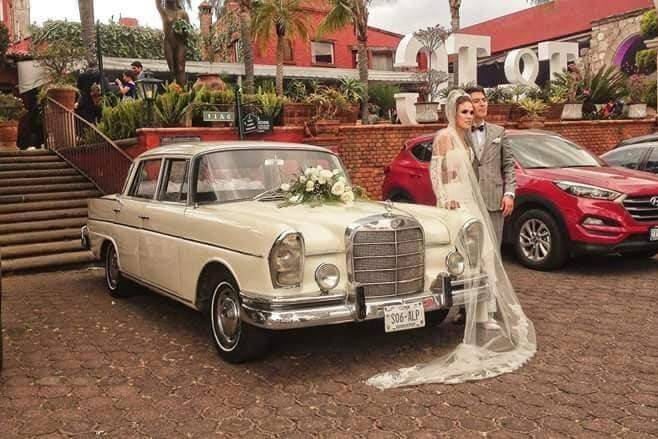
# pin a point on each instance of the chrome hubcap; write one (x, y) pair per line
(112, 269)
(535, 240)
(227, 317)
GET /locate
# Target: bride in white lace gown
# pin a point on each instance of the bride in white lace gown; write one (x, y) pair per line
(498, 337)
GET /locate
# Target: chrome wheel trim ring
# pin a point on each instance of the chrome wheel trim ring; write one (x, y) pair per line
(535, 240)
(226, 322)
(112, 269)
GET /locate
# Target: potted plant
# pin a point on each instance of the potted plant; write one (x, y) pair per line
(532, 109)
(570, 87)
(384, 96)
(328, 102)
(59, 61)
(556, 98)
(499, 104)
(427, 111)
(296, 111)
(11, 110)
(607, 85)
(353, 90)
(637, 104)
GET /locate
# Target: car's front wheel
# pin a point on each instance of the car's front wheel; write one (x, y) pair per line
(235, 340)
(539, 242)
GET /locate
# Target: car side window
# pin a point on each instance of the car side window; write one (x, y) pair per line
(652, 162)
(423, 151)
(174, 188)
(627, 157)
(146, 179)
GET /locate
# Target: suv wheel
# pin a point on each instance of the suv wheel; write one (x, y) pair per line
(539, 243)
(235, 340)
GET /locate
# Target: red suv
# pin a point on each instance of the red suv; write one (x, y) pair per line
(568, 202)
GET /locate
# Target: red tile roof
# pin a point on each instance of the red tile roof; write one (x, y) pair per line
(550, 21)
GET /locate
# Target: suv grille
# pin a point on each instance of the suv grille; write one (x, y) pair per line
(642, 208)
(387, 260)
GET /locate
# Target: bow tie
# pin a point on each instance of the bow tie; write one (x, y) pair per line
(480, 128)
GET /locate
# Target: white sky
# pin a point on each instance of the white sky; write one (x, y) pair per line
(400, 16)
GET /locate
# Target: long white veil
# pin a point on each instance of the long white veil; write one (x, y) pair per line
(498, 337)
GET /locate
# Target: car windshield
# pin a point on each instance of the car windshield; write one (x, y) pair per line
(537, 151)
(236, 175)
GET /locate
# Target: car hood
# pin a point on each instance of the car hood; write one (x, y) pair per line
(323, 228)
(626, 181)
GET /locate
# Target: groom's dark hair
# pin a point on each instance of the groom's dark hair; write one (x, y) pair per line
(474, 89)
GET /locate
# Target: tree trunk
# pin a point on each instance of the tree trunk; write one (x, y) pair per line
(247, 47)
(455, 5)
(363, 77)
(280, 48)
(86, 9)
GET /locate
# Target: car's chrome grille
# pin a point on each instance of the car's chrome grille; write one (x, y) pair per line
(388, 261)
(643, 208)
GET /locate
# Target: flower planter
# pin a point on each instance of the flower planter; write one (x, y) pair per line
(516, 113)
(427, 112)
(296, 114)
(210, 80)
(637, 111)
(531, 124)
(554, 112)
(8, 133)
(499, 112)
(65, 96)
(572, 112)
(349, 115)
(327, 127)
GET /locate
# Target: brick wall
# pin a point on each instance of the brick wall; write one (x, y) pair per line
(367, 149)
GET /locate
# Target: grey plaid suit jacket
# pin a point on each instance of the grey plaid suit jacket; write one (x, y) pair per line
(494, 166)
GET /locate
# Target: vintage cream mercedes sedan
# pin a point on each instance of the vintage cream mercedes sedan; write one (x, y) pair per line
(204, 224)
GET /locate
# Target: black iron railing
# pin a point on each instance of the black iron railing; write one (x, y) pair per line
(82, 145)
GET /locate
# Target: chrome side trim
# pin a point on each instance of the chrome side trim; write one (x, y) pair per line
(159, 290)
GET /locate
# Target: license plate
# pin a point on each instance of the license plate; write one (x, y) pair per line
(403, 317)
(653, 236)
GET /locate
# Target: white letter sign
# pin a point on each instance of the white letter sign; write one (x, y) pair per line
(558, 54)
(468, 49)
(530, 67)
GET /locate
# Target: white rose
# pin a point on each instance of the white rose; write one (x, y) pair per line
(319, 168)
(285, 187)
(336, 171)
(308, 171)
(322, 180)
(342, 180)
(347, 197)
(326, 174)
(309, 186)
(338, 189)
(302, 179)
(296, 199)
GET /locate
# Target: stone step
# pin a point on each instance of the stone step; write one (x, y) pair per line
(12, 199)
(35, 173)
(29, 166)
(47, 261)
(30, 159)
(45, 188)
(35, 226)
(41, 215)
(27, 153)
(40, 249)
(44, 236)
(22, 182)
(42, 206)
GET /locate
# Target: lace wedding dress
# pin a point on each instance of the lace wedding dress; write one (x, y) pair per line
(498, 337)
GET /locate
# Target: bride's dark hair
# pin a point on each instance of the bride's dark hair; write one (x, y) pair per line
(462, 99)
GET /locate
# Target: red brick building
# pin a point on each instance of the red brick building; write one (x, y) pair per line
(332, 50)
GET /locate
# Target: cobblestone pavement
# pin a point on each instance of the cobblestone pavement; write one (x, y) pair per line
(79, 364)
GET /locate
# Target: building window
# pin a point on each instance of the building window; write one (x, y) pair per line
(322, 53)
(382, 61)
(288, 52)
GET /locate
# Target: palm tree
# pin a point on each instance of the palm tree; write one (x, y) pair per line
(354, 12)
(455, 5)
(86, 9)
(287, 18)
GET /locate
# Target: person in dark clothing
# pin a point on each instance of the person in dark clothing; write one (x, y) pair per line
(128, 88)
(138, 69)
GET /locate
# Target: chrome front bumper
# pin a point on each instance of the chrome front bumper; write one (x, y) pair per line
(343, 307)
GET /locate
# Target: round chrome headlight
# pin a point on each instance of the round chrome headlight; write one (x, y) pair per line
(455, 263)
(327, 276)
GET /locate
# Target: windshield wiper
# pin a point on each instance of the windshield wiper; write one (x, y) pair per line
(268, 194)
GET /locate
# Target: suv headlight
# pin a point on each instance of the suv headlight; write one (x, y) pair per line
(287, 260)
(587, 191)
(471, 238)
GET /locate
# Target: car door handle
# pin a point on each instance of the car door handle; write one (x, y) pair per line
(144, 217)
(116, 209)
(416, 176)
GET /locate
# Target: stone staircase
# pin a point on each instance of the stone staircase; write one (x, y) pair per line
(43, 205)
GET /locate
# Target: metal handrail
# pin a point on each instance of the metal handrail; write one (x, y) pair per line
(93, 127)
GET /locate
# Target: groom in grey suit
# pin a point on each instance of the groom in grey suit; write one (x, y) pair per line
(494, 162)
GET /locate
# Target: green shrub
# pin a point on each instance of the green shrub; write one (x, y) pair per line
(121, 120)
(646, 61)
(172, 106)
(383, 95)
(11, 108)
(649, 24)
(211, 100)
